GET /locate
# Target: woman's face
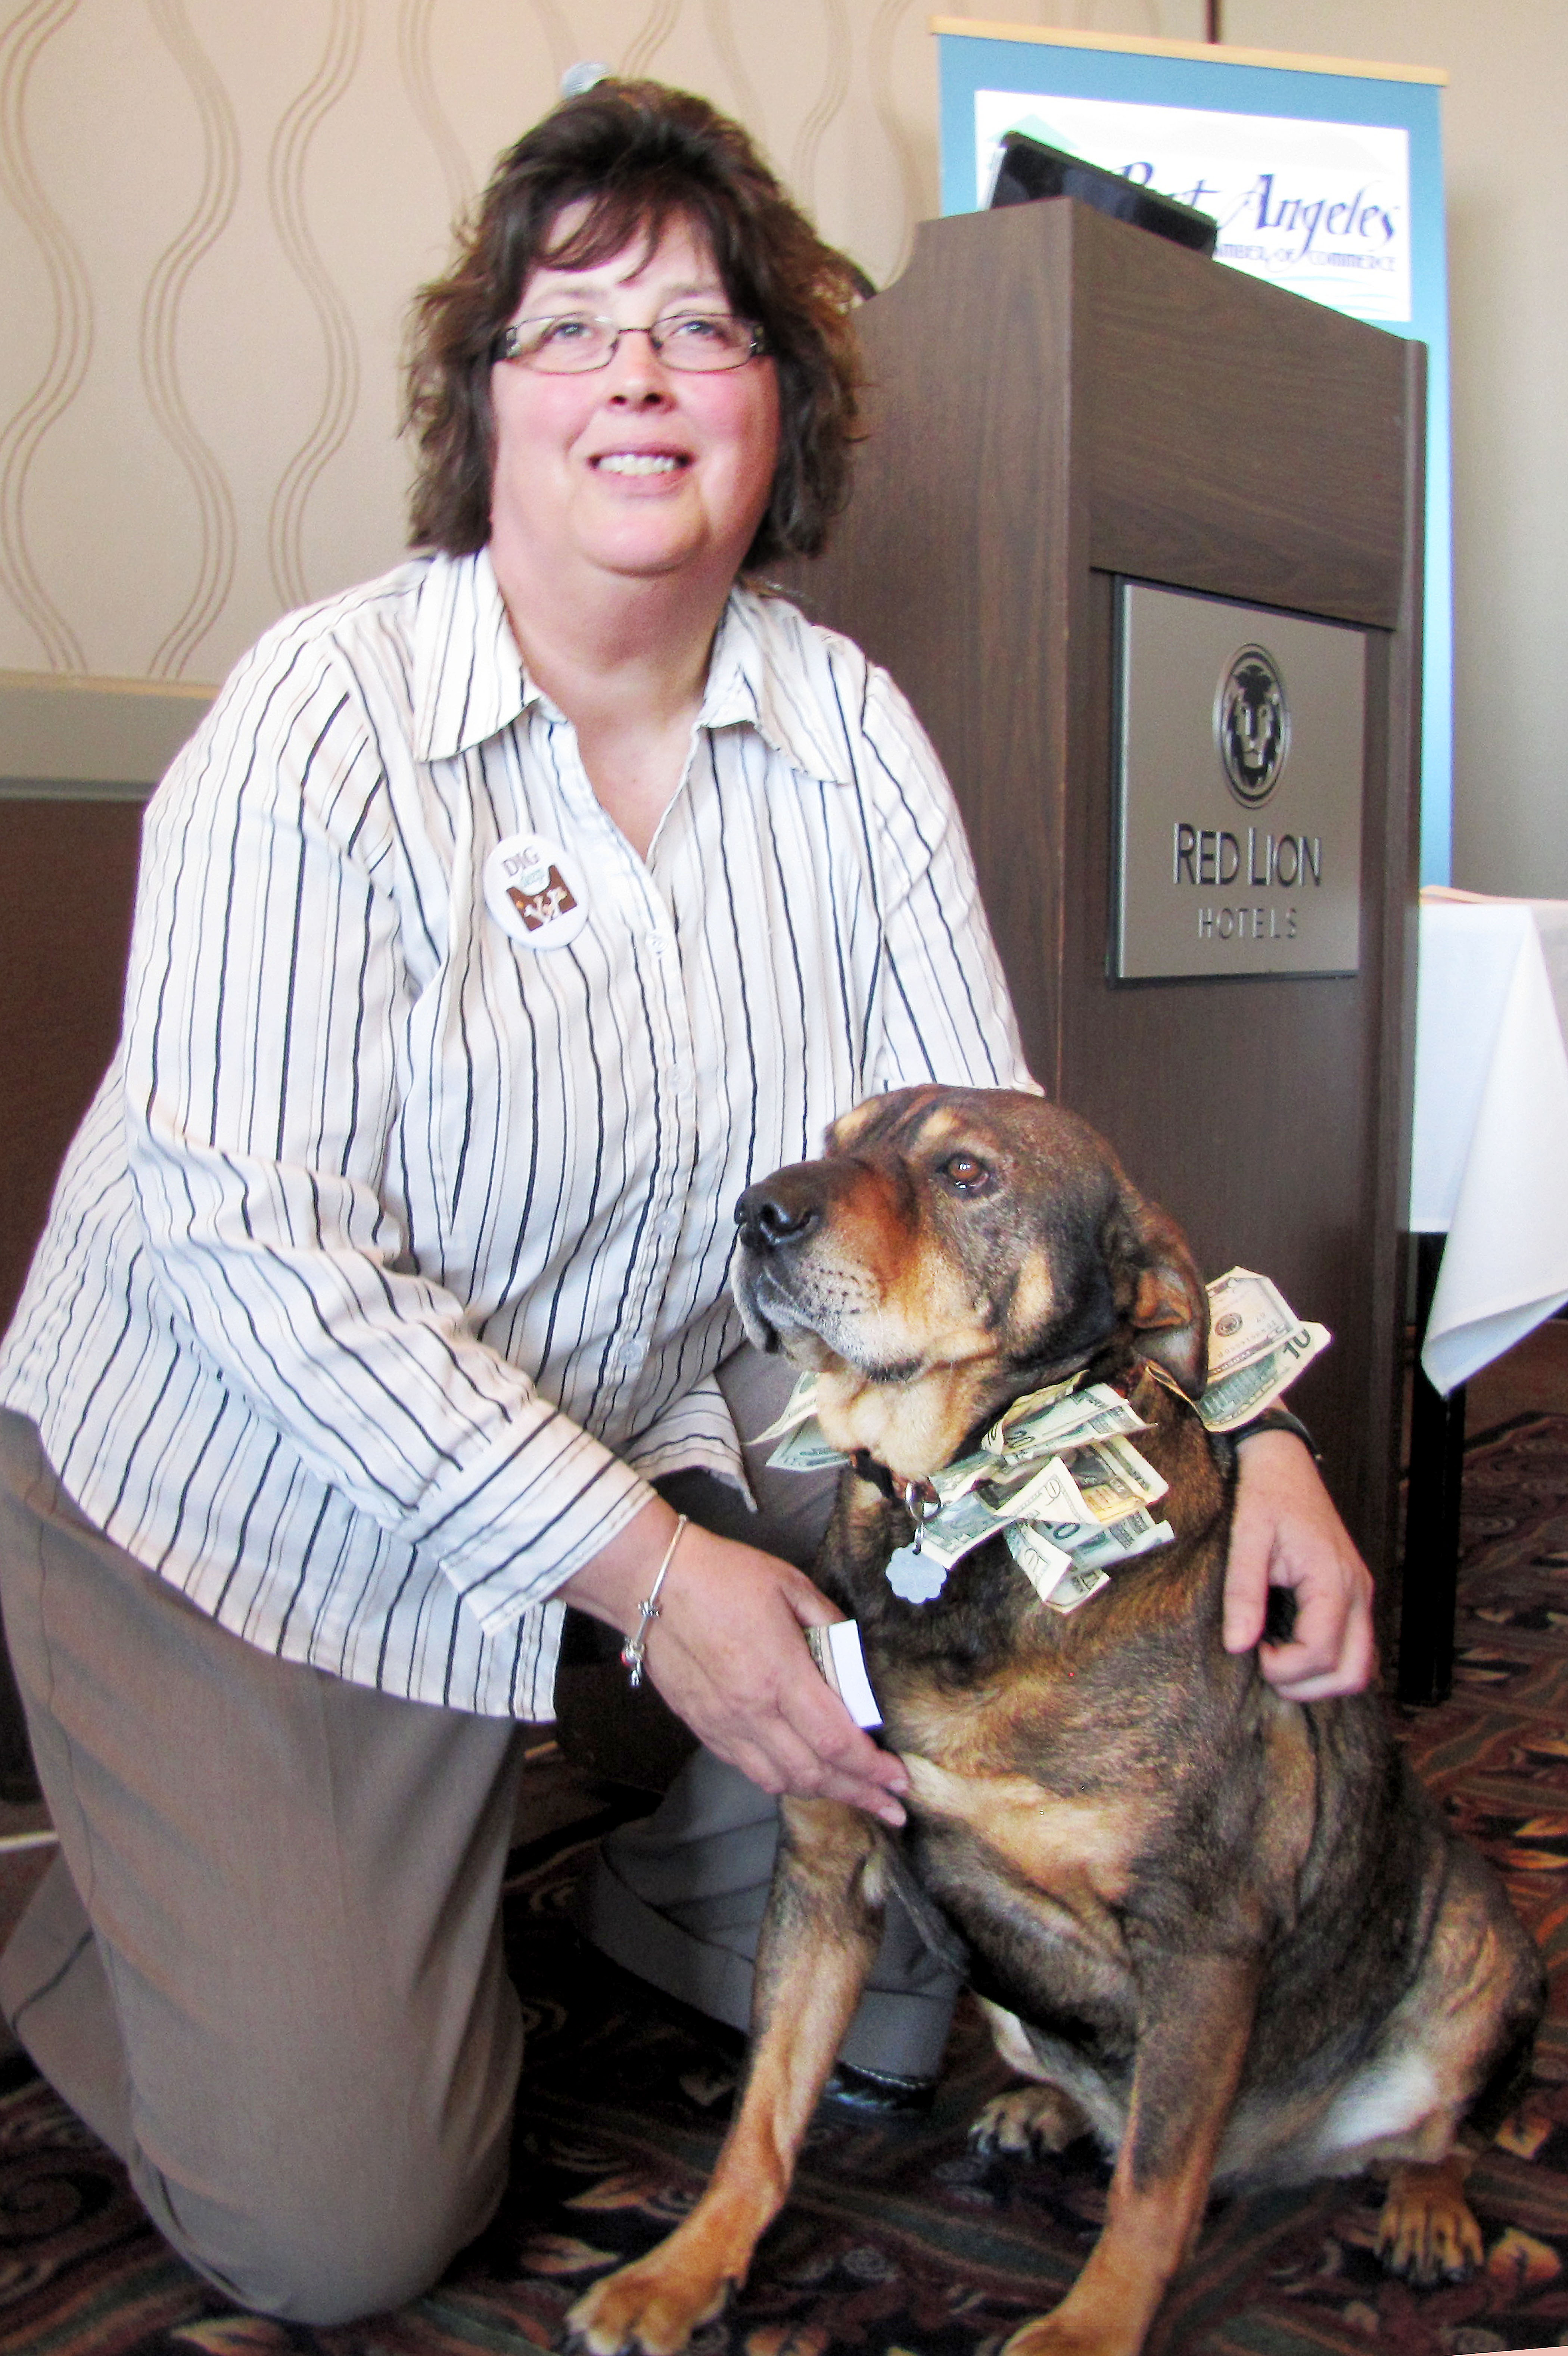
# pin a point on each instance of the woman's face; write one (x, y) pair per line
(635, 470)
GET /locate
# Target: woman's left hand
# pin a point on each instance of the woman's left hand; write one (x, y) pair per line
(1286, 1533)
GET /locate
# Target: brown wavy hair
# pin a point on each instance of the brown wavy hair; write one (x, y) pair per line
(637, 154)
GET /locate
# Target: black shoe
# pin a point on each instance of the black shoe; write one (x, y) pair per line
(881, 2090)
(878, 2090)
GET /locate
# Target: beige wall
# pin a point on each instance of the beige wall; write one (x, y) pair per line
(211, 214)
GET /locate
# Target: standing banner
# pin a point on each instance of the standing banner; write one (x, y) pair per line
(1325, 176)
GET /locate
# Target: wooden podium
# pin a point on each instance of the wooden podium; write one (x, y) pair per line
(1057, 399)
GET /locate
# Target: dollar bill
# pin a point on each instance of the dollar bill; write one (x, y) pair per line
(1250, 1388)
(806, 1450)
(799, 1406)
(1049, 1493)
(1105, 1542)
(1056, 1428)
(1101, 1523)
(1097, 1412)
(1137, 1534)
(1041, 1563)
(960, 1527)
(966, 1521)
(1113, 1477)
(1098, 1490)
(1051, 1502)
(1033, 1403)
(955, 1479)
(1039, 1551)
(994, 1455)
(1075, 1587)
(1247, 1317)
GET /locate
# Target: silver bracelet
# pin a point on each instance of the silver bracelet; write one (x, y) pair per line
(635, 1645)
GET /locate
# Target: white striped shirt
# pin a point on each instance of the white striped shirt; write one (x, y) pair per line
(391, 1261)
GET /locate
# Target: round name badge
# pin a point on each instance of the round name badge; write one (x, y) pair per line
(528, 891)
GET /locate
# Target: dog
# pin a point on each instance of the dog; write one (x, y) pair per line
(1226, 1933)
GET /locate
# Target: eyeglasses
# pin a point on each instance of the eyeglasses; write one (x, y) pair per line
(697, 342)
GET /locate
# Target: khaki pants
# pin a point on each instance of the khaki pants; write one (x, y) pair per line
(266, 1966)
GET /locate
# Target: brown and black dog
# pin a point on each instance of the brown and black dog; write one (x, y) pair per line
(1225, 1932)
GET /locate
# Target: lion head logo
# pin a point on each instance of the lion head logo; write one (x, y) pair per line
(1252, 725)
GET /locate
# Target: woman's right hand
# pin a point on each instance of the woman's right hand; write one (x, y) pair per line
(727, 1653)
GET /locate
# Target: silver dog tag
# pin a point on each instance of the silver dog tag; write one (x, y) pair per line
(915, 1576)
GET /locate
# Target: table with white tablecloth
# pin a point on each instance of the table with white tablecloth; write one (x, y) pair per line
(1488, 1201)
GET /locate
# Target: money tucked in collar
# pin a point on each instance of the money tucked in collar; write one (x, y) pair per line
(1106, 1512)
(1056, 1579)
(805, 1449)
(1252, 1388)
(1137, 1534)
(1029, 1406)
(1027, 1430)
(1257, 1347)
(801, 1403)
(1007, 1486)
(1247, 1316)
(1098, 1523)
(1113, 1477)
(1094, 1513)
(1031, 1432)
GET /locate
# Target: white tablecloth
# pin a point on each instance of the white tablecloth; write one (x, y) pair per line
(1489, 1164)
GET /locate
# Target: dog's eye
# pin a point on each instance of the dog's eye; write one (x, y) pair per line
(964, 1173)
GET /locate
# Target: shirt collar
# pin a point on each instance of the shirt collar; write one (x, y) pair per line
(470, 681)
(769, 671)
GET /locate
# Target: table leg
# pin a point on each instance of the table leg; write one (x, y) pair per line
(1431, 1514)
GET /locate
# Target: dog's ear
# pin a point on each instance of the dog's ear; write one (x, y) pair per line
(1159, 1289)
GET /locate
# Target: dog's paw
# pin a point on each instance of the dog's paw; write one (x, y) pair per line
(1426, 2232)
(654, 2305)
(1028, 2118)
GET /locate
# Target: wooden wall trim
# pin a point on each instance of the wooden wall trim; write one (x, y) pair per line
(67, 878)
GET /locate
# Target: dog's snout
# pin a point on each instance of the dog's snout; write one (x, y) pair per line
(775, 1214)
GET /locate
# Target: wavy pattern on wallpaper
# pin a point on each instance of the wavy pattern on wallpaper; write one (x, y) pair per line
(838, 51)
(839, 76)
(340, 392)
(419, 80)
(885, 28)
(743, 101)
(560, 39)
(644, 45)
(70, 343)
(216, 523)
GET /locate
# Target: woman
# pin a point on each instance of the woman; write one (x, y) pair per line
(503, 919)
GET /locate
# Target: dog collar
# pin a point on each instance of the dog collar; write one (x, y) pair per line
(918, 1498)
(866, 1468)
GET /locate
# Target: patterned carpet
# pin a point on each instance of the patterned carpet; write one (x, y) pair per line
(898, 2241)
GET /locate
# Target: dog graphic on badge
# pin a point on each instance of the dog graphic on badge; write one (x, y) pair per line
(541, 904)
(528, 892)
